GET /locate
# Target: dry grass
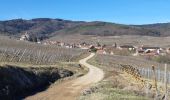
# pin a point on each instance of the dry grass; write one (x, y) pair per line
(120, 40)
(162, 59)
(113, 60)
(110, 64)
(117, 85)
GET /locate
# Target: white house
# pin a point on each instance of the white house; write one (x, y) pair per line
(24, 37)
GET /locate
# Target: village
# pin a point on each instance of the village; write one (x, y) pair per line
(104, 49)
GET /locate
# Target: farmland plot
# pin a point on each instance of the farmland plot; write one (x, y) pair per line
(24, 52)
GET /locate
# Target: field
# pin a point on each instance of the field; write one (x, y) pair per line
(120, 85)
(139, 62)
(116, 84)
(34, 67)
(135, 40)
(37, 54)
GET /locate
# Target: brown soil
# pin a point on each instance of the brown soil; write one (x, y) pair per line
(17, 82)
(71, 89)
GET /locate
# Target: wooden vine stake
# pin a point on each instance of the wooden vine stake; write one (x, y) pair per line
(165, 82)
(148, 87)
(155, 80)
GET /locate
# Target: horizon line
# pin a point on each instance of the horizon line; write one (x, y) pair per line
(85, 20)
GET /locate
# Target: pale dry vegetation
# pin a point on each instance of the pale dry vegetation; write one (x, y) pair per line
(135, 40)
(140, 62)
(118, 85)
(162, 59)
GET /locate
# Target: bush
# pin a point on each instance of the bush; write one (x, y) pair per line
(162, 59)
(93, 49)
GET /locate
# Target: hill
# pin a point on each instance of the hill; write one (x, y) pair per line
(108, 29)
(43, 28)
(162, 28)
(40, 27)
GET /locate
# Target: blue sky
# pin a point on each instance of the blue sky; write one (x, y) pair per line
(118, 11)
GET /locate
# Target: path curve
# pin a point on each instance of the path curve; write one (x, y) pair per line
(71, 89)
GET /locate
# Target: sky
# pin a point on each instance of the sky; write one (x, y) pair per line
(117, 11)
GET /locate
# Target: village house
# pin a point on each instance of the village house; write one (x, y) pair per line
(38, 41)
(168, 50)
(84, 45)
(115, 45)
(106, 49)
(126, 47)
(98, 46)
(25, 37)
(61, 44)
(101, 52)
(66, 45)
(46, 43)
(151, 49)
(148, 50)
(110, 50)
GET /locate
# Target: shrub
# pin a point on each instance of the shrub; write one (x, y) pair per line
(162, 59)
(93, 49)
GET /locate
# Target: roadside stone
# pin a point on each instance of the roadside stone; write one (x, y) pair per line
(89, 90)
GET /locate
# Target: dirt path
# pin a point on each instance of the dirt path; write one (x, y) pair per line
(71, 89)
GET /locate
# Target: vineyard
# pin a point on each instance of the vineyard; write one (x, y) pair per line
(24, 52)
(154, 77)
(147, 73)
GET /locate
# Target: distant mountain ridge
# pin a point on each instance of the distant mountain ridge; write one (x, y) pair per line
(39, 26)
(47, 27)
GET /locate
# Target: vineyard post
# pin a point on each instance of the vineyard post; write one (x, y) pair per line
(147, 89)
(3, 54)
(159, 75)
(165, 82)
(17, 53)
(155, 80)
(142, 71)
(22, 55)
(146, 72)
(168, 78)
(38, 56)
(162, 74)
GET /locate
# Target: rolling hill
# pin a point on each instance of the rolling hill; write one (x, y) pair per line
(43, 28)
